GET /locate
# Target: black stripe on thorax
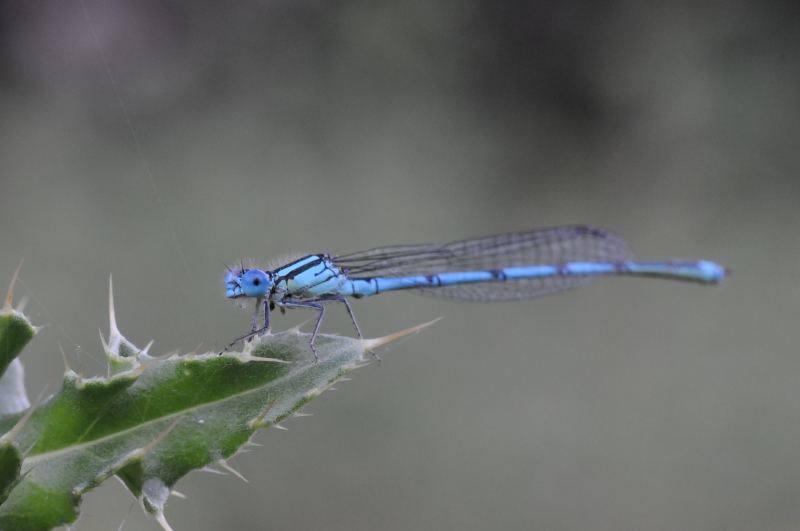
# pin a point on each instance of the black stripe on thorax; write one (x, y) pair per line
(305, 267)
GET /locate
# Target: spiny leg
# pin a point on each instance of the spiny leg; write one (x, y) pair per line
(255, 314)
(314, 306)
(340, 298)
(253, 331)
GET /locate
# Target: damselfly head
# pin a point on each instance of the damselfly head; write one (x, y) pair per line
(246, 281)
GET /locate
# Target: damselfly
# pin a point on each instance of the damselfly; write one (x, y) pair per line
(496, 268)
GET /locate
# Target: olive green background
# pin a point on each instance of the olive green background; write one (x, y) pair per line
(253, 129)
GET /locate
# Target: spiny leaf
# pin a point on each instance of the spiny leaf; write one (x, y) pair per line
(92, 429)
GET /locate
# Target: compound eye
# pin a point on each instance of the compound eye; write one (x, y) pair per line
(255, 283)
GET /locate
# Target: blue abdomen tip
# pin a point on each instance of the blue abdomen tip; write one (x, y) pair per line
(712, 272)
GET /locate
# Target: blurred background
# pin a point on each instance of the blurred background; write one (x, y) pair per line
(156, 141)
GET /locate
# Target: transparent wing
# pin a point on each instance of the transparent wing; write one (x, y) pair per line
(549, 246)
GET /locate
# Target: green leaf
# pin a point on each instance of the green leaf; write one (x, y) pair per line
(155, 423)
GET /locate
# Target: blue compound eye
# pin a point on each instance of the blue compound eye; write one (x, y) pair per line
(255, 283)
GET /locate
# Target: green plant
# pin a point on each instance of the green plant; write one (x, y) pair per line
(152, 420)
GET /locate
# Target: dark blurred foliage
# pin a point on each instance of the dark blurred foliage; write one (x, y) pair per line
(501, 55)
